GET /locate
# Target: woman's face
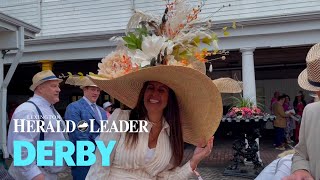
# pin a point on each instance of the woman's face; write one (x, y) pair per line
(286, 100)
(299, 98)
(156, 97)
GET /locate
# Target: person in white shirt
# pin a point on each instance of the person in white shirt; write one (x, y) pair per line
(278, 168)
(170, 92)
(46, 94)
(306, 160)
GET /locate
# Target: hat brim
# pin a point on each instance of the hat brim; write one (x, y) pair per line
(199, 100)
(81, 87)
(228, 85)
(33, 86)
(303, 82)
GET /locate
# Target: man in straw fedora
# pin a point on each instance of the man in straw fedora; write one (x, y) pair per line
(45, 86)
(84, 109)
(306, 160)
(152, 76)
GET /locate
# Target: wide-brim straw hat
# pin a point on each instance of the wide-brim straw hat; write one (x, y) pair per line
(41, 77)
(228, 85)
(309, 78)
(81, 81)
(200, 102)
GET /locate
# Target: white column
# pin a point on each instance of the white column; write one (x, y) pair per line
(3, 114)
(248, 75)
(249, 79)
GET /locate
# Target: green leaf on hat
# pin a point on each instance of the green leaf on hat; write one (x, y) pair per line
(207, 41)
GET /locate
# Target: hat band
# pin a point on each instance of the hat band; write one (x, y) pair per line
(313, 83)
(49, 77)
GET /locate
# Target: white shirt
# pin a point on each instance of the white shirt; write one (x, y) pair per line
(29, 112)
(129, 163)
(277, 169)
(149, 154)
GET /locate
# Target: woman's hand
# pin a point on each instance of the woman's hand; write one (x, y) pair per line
(200, 153)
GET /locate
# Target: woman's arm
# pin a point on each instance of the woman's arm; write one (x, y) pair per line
(189, 168)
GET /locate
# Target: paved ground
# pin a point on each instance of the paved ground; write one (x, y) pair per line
(213, 166)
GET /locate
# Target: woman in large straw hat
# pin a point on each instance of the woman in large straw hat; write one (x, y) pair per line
(306, 160)
(155, 74)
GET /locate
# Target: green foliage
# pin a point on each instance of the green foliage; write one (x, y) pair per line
(244, 102)
(207, 41)
(134, 40)
(241, 102)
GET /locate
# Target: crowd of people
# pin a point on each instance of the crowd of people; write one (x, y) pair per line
(304, 162)
(288, 118)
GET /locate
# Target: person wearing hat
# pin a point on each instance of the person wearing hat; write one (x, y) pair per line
(180, 103)
(306, 160)
(84, 109)
(107, 106)
(45, 86)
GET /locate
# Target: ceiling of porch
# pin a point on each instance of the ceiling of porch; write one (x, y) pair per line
(271, 63)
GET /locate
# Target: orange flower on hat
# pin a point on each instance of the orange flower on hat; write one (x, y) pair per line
(115, 65)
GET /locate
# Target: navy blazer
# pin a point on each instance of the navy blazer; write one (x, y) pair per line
(78, 111)
(81, 110)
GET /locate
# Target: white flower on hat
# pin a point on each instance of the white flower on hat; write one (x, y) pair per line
(150, 48)
(168, 47)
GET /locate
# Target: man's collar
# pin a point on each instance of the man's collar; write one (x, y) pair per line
(41, 99)
(87, 100)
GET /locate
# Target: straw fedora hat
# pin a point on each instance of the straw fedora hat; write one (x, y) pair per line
(81, 81)
(309, 79)
(199, 99)
(42, 77)
(228, 85)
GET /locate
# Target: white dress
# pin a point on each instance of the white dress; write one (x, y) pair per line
(127, 163)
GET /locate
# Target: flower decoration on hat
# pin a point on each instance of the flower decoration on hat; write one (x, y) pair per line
(178, 37)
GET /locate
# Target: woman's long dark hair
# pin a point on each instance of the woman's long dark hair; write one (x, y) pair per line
(296, 101)
(172, 116)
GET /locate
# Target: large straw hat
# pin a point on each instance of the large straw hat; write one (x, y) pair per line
(82, 81)
(309, 79)
(170, 50)
(228, 85)
(199, 100)
(42, 77)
